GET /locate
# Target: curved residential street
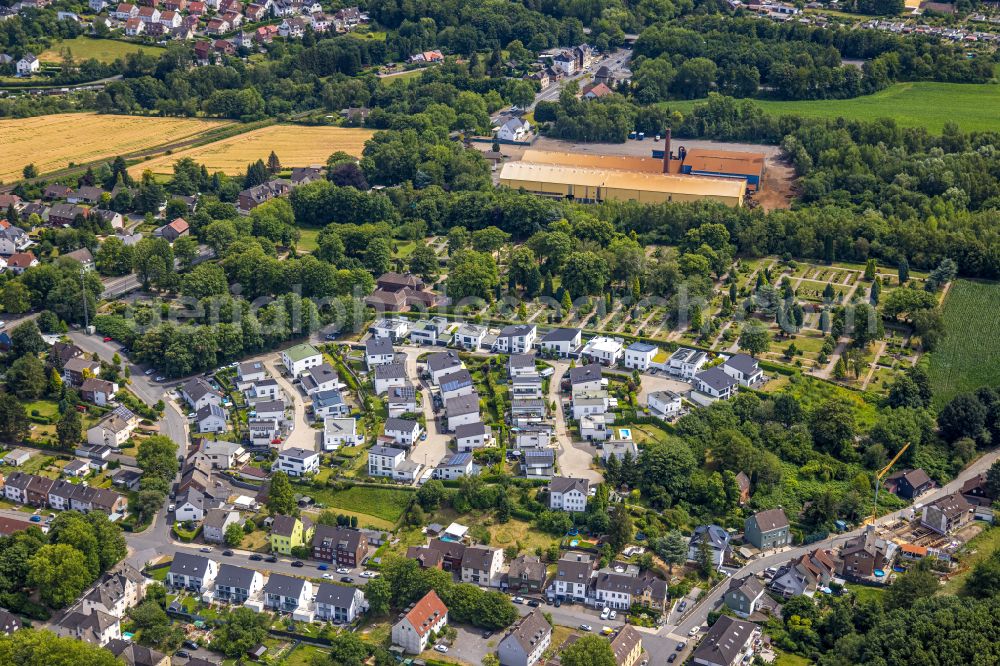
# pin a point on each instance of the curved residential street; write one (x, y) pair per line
(302, 435)
(575, 458)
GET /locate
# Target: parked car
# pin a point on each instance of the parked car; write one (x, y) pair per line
(672, 658)
(694, 631)
(605, 613)
(346, 579)
(327, 576)
(681, 645)
(613, 615)
(518, 600)
(487, 634)
(322, 567)
(191, 644)
(227, 553)
(298, 564)
(36, 519)
(343, 570)
(534, 603)
(206, 549)
(681, 606)
(107, 338)
(256, 557)
(441, 648)
(585, 627)
(184, 654)
(272, 558)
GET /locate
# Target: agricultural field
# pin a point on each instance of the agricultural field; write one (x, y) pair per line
(922, 104)
(104, 50)
(53, 142)
(966, 358)
(295, 146)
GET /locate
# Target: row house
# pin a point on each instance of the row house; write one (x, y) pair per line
(286, 594)
(237, 585)
(195, 573)
(339, 604)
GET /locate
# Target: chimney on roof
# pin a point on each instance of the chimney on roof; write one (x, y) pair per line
(666, 153)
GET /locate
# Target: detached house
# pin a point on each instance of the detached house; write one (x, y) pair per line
(378, 351)
(402, 432)
(429, 615)
(481, 565)
(744, 369)
(339, 604)
(383, 460)
(767, 530)
(515, 339)
(198, 394)
(526, 641)
(442, 364)
(640, 355)
(462, 410)
(863, 555)
(300, 358)
(562, 342)
(743, 595)
(388, 376)
(526, 574)
(714, 538)
(909, 484)
(297, 462)
(288, 532)
(568, 494)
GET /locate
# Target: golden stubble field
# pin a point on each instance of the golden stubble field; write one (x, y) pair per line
(295, 146)
(52, 142)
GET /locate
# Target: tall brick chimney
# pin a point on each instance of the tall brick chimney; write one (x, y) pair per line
(666, 153)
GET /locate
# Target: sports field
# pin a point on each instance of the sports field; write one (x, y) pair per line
(104, 50)
(52, 142)
(923, 104)
(969, 355)
(295, 146)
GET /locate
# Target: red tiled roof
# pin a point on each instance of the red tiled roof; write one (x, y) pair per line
(425, 612)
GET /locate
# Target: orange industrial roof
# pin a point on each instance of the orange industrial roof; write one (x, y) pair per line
(623, 180)
(724, 161)
(587, 160)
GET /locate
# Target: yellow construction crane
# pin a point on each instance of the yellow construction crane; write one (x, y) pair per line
(878, 482)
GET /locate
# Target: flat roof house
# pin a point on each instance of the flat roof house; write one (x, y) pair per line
(299, 358)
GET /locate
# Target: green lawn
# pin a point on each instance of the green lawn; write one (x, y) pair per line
(400, 78)
(866, 592)
(386, 504)
(967, 358)
(978, 549)
(308, 240)
(104, 50)
(923, 104)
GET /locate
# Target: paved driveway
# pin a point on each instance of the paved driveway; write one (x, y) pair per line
(574, 458)
(302, 435)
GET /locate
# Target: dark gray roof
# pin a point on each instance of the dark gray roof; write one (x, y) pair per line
(402, 393)
(406, 425)
(470, 430)
(464, 404)
(339, 596)
(455, 380)
(771, 519)
(197, 388)
(529, 631)
(563, 484)
(521, 361)
(717, 538)
(390, 371)
(575, 567)
(539, 457)
(748, 586)
(716, 378)
(747, 365)
(442, 360)
(319, 374)
(211, 410)
(561, 335)
(585, 373)
(641, 347)
(285, 586)
(378, 346)
(385, 451)
(456, 460)
(269, 406)
(516, 329)
(231, 575)
(724, 640)
(189, 565)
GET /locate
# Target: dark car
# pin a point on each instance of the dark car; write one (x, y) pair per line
(183, 653)
(227, 553)
(534, 603)
(298, 563)
(557, 603)
(487, 634)
(191, 644)
(681, 646)
(672, 658)
(272, 558)
(256, 557)
(346, 579)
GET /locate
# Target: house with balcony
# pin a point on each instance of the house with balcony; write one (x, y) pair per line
(195, 573)
(427, 616)
(568, 494)
(561, 342)
(340, 604)
(297, 462)
(574, 573)
(516, 339)
(237, 585)
(285, 594)
(481, 565)
(384, 460)
(288, 532)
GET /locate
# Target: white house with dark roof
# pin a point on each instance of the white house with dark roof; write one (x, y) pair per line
(329, 403)
(568, 494)
(297, 462)
(526, 387)
(402, 400)
(403, 432)
(454, 466)
(526, 642)
(340, 604)
(251, 371)
(237, 585)
(640, 355)
(562, 342)
(211, 418)
(515, 339)
(28, 65)
(716, 383)
(378, 351)
(574, 573)
(715, 539)
(263, 389)
(462, 410)
(585, 379)
(456, 384)
(395, 329)
(286, 594)
(727, 643)
(388, 376)
(198, 393)
(192, 572)
(481, 565)
(472, 436)
(383, 460)
(520, 365)
(441, 364)
(318, 378)
(744, 369)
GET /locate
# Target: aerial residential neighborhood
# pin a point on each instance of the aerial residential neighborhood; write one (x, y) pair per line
(517, 334)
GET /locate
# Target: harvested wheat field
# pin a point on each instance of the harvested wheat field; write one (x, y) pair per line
(295, 146)
(52, 142)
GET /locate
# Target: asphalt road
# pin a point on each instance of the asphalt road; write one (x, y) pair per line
(616, 61)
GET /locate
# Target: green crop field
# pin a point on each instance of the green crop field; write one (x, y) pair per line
(967, 357)
(104, 50)
(923, 104)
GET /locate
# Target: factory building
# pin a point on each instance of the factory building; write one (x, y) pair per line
(588, 178)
